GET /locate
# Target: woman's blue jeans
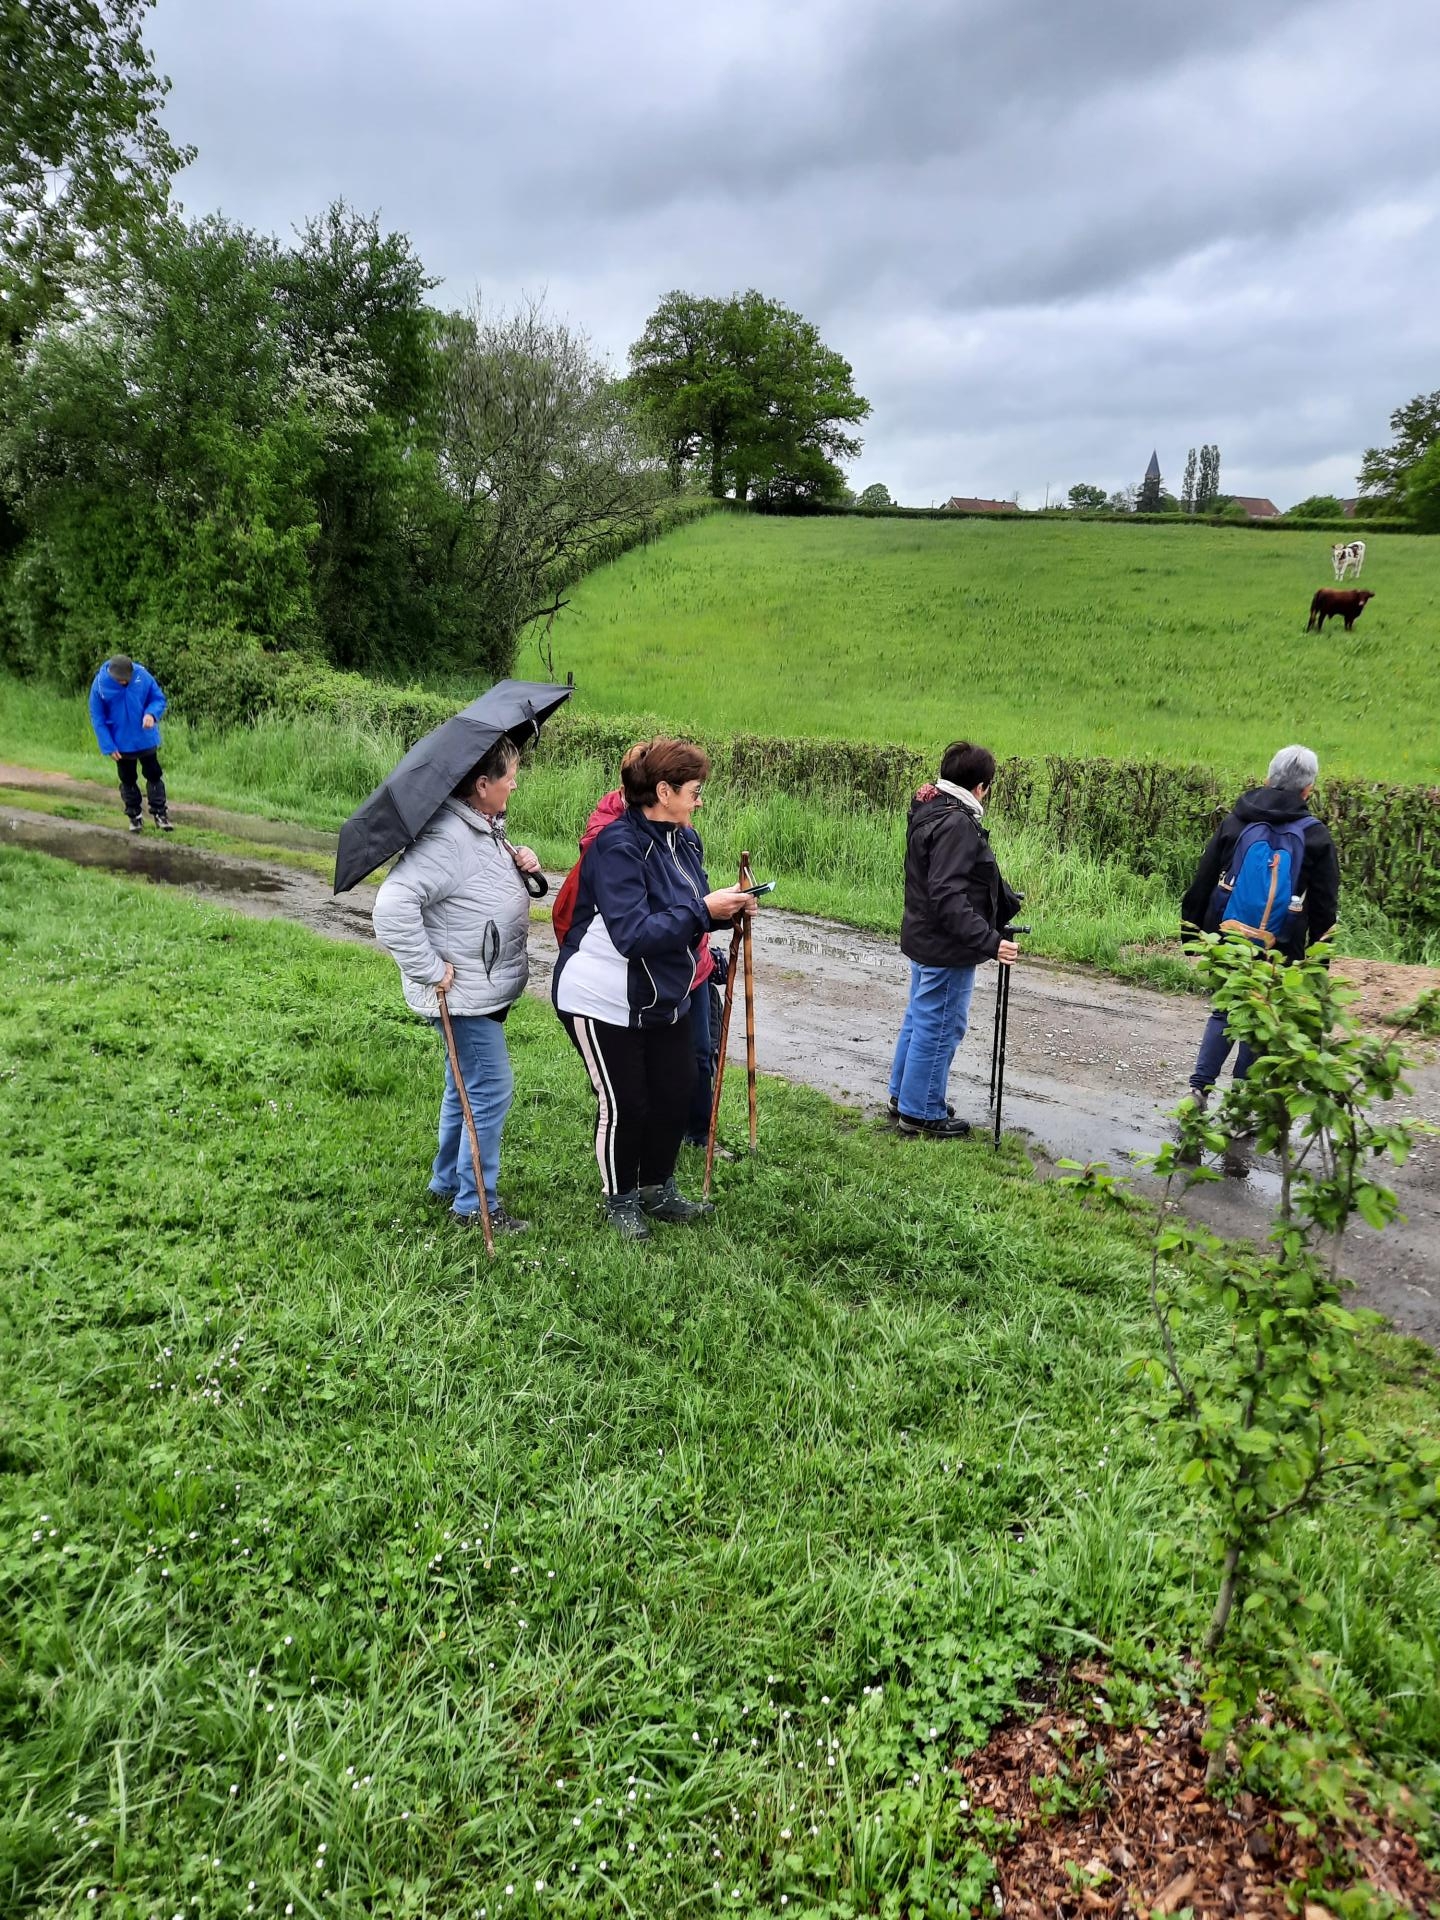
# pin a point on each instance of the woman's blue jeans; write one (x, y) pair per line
(936, 1016)
(1215, 1045)
(485, 1068)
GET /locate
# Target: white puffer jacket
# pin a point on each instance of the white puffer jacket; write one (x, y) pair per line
(457, 895)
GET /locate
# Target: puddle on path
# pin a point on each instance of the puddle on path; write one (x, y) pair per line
(145, 856)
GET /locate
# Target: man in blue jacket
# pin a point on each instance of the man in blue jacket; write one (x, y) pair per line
(125, 708)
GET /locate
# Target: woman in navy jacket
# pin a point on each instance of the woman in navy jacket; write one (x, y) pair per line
(623, 979)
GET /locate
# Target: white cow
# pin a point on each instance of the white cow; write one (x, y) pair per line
(1349, 557)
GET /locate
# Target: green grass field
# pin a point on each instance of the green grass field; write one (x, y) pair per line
(1186, 645)
(343, 1573)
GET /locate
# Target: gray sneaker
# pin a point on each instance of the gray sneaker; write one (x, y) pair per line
(500, 1220)
(137, 825)
(668, 1203)
(622, 1210)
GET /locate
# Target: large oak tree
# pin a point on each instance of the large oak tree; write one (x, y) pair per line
(745, 390)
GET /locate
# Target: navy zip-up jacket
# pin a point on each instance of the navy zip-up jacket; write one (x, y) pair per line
(631, 952)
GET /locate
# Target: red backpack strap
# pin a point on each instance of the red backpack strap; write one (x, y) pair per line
(563, 911)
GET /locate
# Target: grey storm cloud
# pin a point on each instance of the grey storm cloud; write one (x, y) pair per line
(1048, 236)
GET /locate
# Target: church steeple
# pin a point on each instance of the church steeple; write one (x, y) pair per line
(1152, 472)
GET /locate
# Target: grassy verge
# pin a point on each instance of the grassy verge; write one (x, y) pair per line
(343, 1572)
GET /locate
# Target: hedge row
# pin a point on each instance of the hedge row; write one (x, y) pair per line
(1151, 817)
(1154, 819)
(1030, 516)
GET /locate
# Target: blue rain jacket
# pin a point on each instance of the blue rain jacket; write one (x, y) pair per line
(117, 713)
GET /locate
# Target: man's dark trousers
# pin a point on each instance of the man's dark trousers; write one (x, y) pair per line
(130, 786)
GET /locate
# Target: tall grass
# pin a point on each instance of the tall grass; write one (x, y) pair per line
(341, 1570)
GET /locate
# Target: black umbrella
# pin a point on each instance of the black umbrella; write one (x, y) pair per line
(403, 805)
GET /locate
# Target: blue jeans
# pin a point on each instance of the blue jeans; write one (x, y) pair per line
(1215, 1045)
(936, 1017)
(485, 1068)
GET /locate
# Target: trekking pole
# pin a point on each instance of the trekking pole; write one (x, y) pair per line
(995, 1034)
(747, 879)
(469, 1121)
(720, 1061)
(1002, 1029)
(1002, 1021)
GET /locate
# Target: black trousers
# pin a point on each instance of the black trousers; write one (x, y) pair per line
(643, 1079)
(130, 786)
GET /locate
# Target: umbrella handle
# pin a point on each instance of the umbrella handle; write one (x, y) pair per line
(536, 885)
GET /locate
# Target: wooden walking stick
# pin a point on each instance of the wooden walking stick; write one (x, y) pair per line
(747, 879)
(469, 1121)
(720, 1063)
(741, 936)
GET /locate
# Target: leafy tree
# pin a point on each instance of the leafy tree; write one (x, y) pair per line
(84, 160)
(1086, 499)
(541, 457)
(1207, 480)
(1123, 500)
(746, 388)
(162, 454)
(877, 494)
(360, 344)
(1317, 506)
(1384, 471)
(1422, 490)
(1262, 1411)
(1187, 489)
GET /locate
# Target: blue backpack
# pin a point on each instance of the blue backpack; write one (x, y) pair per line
(1260, 894)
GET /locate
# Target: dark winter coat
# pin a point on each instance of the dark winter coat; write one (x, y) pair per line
(1319, 871)
(955, 899)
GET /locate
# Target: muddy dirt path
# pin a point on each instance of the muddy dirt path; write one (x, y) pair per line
(1093, 1064)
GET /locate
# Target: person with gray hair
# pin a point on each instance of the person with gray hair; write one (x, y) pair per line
(1270, 828)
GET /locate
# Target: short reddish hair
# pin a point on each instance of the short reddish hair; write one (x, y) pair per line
(651, 761)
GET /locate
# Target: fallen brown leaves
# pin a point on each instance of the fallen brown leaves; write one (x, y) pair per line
(1138, 1835)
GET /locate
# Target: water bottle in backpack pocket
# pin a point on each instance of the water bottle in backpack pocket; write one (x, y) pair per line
(1260, 896)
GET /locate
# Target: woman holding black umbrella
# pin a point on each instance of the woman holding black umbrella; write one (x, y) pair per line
(454, 914)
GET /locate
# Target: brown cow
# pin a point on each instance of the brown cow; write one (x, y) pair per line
(1330, 603)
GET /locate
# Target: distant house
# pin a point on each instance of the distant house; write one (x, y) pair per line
(1347, 507)
(1256, 507)
(957, 504)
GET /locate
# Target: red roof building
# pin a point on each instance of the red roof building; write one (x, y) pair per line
(957, 504)
(1256, 506)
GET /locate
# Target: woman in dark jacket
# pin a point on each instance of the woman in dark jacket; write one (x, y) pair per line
(956, 904)
(624, 976)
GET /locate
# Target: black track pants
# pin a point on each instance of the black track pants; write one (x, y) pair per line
(643, 1079)
(130, 786)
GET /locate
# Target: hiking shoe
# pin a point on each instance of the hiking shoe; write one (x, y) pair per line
(164, 822)
(500, 1220)
(623, 1212)
(947, 1129)
(137, 825)
(668, 1203)
(894, 1110)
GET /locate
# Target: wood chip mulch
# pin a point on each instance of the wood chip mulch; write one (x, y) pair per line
(1152, 1841)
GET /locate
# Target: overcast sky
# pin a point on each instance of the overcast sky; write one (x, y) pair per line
(1048, 235)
